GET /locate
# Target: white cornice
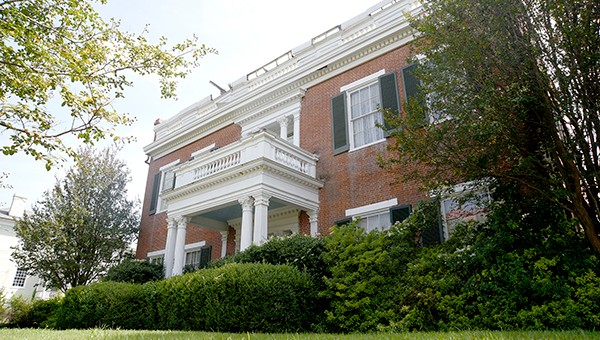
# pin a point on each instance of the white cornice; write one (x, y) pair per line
(379, 30)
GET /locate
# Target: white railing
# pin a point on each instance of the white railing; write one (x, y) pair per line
(217, 166)
(261, 146)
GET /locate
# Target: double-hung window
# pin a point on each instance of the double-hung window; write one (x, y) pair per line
(365, 115)
(198, 258)
(356, 111)
(378, 216)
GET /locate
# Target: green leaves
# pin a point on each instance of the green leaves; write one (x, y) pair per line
(81, 227)
(61, 52)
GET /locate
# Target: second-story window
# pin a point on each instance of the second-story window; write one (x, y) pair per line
(365, 115)
(356, 111)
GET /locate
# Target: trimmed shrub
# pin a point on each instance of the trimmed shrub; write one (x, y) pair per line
(105, 304)
(237, 298)
(301, 251)
(24, 313)
(135, 271)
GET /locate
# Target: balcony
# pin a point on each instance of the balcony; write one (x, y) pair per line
(262, 147)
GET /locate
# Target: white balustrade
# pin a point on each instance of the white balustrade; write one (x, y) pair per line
(262, 145)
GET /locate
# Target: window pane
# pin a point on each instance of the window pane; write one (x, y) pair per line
(20, 276)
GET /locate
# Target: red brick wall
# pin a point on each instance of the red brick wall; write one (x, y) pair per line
(353, 178)
(153, 228)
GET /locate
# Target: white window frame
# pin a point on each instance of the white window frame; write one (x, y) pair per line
(191, 248)
(154, 256)
(162, 205)
(459, 191)
(371, 210)
(351, 88)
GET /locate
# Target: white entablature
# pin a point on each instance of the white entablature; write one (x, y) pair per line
(376, 31)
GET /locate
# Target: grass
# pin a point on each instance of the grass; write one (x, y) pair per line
(23, 334)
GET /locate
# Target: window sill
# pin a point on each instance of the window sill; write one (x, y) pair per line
(367, 145)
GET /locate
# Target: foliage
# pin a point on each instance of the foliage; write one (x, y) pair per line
(301, 251)
(511, 92)
(525, 268)
(38, 313)
(234, 298)
(62, 53)
(237, 298)
(135, 271)
(364, 268)
(82, 226)
(105, 304)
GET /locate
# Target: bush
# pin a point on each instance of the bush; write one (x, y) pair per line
(24, 313)
(364, 269)
(527, 267)
(301, 251)
(135, 271)
(105, 304)
(237, 298)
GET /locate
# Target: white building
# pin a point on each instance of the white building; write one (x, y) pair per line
(13, 280)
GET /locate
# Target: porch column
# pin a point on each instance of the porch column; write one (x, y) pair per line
(170, 246)
(283, 127)
(261, 218)
(224, 243)
(296, 140)
(246, 234)
(313, 219)
(180, 245)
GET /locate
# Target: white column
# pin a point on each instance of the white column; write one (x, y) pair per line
(180, 245)
(224, 243)
(261, 218)
(296, 140)
(246, 234)
(170, 246)
(313, 219)
(283, 127)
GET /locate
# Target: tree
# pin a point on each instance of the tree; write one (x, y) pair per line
(81, 227)
(511, 92)
(62, 53)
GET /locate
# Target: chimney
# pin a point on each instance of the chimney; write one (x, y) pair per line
(17, 208)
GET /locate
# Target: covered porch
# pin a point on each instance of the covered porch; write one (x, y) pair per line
(258, 186)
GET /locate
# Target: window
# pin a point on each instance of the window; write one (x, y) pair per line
(379, 216)
(364, 116)
(163, 180)
(20, 277)
(356, 111)
(412, 91)
(464, 204)
(198, 258)
(157, 259)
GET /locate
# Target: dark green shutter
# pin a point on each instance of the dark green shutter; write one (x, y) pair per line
(388, 87)
(411, 83)
(339, 124)
(205, 254)
(434, 234)
(399, 214)
(154, 197)
(344, 221)
(412, 89)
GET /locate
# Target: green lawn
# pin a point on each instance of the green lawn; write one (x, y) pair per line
(23, 334)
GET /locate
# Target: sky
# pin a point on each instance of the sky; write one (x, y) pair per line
(246, 33)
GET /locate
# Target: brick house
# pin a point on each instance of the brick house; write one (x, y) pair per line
(290, 147)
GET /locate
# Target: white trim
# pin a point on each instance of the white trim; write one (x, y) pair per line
(203, 150)
(194, 246)
(360, 82)
(168, 166)
(155, 253)
(371, 208)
